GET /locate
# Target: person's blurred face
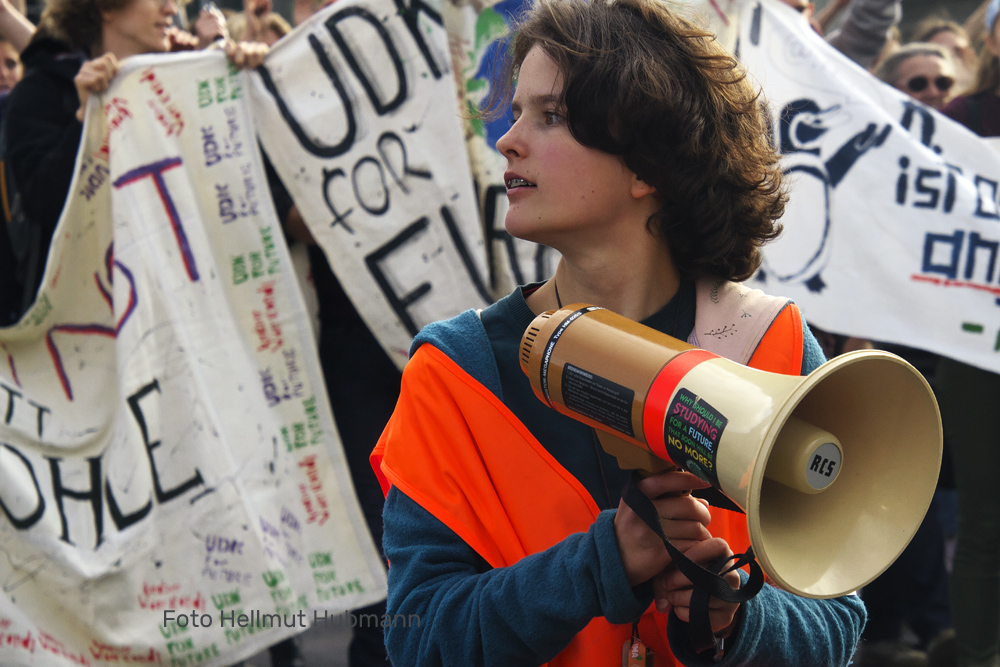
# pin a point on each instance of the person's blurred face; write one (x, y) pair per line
(927, 78)
(962, 54)
(11, 69)
(958, 45)
(141, 26)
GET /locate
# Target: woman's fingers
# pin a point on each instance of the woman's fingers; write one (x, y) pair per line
(670, 482)
(673, 590)
(97, 74)
(94, 77)
(246, 55)
(683, 520)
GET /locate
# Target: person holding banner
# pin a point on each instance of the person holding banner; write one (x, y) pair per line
(74, 53)
(640, 153)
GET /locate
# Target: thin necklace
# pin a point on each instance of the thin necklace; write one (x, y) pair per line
(556, 288)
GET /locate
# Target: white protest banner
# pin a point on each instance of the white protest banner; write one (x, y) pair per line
(893, 226)
(357, 110)
(720, 17)
(172, 484)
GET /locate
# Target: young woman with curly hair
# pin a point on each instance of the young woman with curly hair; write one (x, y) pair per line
(639, 151)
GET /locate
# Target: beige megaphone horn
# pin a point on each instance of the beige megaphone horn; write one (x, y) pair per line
(834, 470)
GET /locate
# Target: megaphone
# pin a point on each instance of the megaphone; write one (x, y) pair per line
(834, 470)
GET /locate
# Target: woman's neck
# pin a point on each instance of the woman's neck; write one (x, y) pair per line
(633, 286)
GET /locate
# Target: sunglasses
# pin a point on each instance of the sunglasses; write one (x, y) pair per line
(919, 83)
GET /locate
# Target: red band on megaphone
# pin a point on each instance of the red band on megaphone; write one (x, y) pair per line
(666, 381)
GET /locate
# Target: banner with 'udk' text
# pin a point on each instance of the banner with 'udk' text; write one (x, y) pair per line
(172, 486)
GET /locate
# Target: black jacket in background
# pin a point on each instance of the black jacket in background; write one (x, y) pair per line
(39, 139)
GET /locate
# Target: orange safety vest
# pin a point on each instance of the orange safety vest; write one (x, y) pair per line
(455, 449)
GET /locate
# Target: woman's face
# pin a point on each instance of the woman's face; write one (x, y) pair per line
(141, 26)
(958, 45)
(962, 54)
(927, 78)
(11, 69)
(560, 192)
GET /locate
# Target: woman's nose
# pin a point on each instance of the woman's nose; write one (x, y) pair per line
(508, 143)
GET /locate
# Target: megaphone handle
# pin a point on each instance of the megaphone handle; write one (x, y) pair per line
(706, 582)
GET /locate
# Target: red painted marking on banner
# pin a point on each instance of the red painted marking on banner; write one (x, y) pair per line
(168, 596)
(718, 10)
(57, 647)
(947, 282)
(319, 512)
(269, 330)
(90, 329)
(85, 329)
(16, 640)
(155, 171)
(111, 653)
(105, 294)
(175, 123)
(117, 112)
(10, 362)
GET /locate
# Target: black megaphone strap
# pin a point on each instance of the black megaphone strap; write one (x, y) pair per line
(708, 582)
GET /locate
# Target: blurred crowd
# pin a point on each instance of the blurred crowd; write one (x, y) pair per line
(939, 604)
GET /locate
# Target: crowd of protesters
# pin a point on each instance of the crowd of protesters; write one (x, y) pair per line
(938, 605)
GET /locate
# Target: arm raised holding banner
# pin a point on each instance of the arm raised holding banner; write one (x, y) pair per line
(15, 26)
(76, 52)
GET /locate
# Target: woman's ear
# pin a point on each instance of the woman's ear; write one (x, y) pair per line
(641, 188)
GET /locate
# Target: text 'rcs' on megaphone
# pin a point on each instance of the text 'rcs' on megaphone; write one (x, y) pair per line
(834, 470)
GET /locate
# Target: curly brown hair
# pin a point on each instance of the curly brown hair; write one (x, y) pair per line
(76, 22)
(643, 83)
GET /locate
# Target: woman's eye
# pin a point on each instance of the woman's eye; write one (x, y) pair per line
(553, 118)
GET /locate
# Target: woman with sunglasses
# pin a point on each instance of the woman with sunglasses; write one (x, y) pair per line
(967, 396)
(922, 70)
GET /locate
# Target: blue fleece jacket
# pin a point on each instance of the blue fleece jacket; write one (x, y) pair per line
(471, 614)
